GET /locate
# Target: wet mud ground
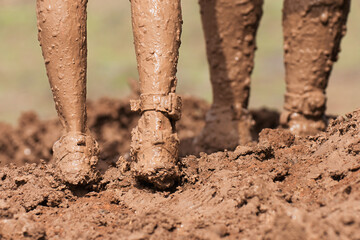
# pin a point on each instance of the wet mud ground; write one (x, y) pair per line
(280, 187)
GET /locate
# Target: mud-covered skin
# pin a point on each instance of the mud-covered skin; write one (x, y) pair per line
(312, 34)
(157, 30)
(62, 36)
(230, 31)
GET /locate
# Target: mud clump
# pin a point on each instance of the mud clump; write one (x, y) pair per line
(283, 187)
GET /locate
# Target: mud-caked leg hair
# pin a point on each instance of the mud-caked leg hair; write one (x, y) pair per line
(230, 31)
(154, 147)
(312, 34)
(62, 36)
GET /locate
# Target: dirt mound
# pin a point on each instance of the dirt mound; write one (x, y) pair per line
(282, 187)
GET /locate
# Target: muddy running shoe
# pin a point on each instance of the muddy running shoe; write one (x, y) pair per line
(154, 150)
(75, 156)
(302, 125)
(224, 130)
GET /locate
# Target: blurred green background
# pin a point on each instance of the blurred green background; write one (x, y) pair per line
(111, 60)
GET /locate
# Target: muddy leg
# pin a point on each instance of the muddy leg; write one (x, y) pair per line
(62, 36)
(230, 29)
(312, 34)
(154, 148)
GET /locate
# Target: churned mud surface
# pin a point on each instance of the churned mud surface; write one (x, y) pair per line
(281, 187)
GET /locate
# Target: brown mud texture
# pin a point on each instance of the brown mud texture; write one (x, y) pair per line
(280, 187)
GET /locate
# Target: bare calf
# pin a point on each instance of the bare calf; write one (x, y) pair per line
(230, 32)
(62, 36)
